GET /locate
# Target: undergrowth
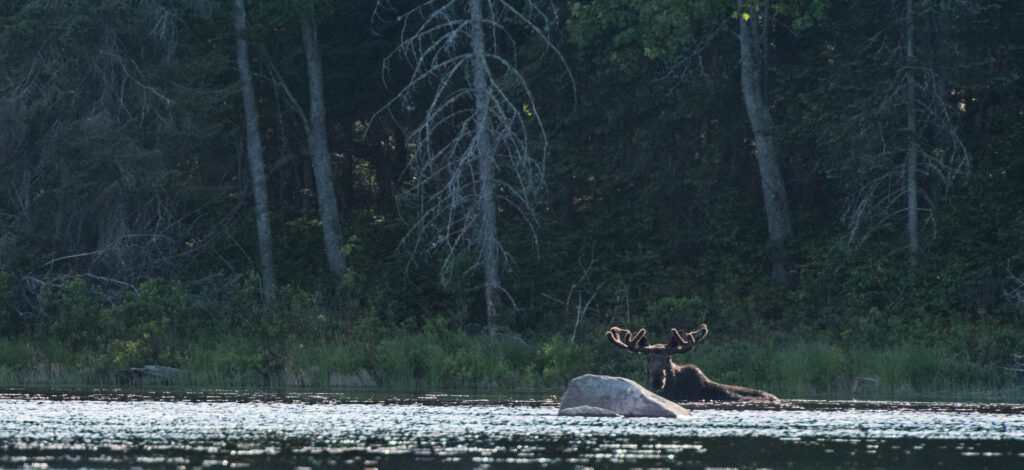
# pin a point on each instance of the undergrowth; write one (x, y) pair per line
(437, 358)
(315, 341)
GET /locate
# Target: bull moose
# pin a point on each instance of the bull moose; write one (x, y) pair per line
(683, 382)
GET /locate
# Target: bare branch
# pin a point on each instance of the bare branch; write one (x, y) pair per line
(471, 147)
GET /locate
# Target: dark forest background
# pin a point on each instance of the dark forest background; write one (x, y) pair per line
(129, 234)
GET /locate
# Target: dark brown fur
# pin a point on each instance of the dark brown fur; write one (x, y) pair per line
(682, 382)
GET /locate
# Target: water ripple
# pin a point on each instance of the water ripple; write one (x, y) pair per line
(42, 432)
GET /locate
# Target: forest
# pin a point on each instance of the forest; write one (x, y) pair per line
(469, 193)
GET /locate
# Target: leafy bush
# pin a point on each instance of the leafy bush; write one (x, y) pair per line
(676, 312)
(139, 328)
(74, 315)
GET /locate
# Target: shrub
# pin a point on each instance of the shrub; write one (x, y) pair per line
(74, 315)
(676, 312)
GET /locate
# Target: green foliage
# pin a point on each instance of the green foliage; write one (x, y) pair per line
(15, 354)
(143, 321)
(10, 321)
(123, 197)
(76, 319)
(802, 14)
(558, 362)
(811, 366)
(439, 357)
(651, 29)
(224, 359)
(661, 30)
(681, 313)
(134, 332)
(815, 368)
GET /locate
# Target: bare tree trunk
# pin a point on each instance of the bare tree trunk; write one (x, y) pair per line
(254, 150)
(913, 244)
(485, 164)
(317, 135)
(776, 203)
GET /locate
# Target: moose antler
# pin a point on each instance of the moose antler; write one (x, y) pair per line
(635, 342)
(680, 343)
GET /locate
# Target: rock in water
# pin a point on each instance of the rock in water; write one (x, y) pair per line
(359, 379)
(147, 375)
(619, 396)
(865, 385)
(588, 411)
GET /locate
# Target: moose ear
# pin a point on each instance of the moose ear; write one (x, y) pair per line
(676, 341)
(700, 333)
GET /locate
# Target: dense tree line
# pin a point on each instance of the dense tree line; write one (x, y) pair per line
(846, 169)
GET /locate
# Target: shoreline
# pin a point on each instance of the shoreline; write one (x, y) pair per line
(91, 385)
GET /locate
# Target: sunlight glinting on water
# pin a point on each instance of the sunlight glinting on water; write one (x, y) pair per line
(98, 420)
(159, 432)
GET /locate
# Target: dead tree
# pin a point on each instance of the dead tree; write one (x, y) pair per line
(85, 162)
(473, 155)
(681, 382)
(907, 139)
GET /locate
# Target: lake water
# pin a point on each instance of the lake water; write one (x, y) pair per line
(232, 430)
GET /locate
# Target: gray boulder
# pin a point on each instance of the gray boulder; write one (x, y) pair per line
(865, 385)
(359, 379)
(617, 395)
(588, 411)
(146, 375)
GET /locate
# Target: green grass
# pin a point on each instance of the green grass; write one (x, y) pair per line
(808, 369)
(438, 359)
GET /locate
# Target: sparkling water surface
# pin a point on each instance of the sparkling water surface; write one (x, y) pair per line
(457, 431)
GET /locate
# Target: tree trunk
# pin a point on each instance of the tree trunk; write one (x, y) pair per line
(317, 136)
(254, 151)
(776, 204)
(913, 244)
(485, 164)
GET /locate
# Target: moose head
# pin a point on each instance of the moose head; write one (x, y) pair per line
(660, 368)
